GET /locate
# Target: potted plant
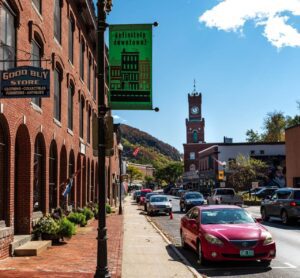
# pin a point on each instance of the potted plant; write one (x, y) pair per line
(66, 228)
(48, 228)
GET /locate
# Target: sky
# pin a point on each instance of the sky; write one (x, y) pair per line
(243, 54)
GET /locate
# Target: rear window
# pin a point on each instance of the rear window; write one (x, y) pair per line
(297, 195)
(193, 196)
(225, 192)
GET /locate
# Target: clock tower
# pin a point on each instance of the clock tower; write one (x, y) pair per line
(195, 123)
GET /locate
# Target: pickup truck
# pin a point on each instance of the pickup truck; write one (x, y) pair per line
(224, 196)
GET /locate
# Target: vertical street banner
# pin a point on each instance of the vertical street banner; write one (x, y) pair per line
(130, 67)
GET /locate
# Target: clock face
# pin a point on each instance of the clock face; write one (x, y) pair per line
(195, 110)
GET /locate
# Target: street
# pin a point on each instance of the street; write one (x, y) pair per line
(286, 263)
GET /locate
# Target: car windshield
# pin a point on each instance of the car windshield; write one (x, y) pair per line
(149, 195)
(297, 194)
(155, 199)
(225, 192)
(193, 196)
(225, 216)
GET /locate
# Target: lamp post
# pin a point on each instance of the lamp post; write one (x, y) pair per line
(120, 148)
(102, 268)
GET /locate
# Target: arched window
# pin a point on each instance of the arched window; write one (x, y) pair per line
(53, 176)
(38, 178)
(71, 91)
(81, 58)
(81, 117)
(57, 20)
(71, 38)
(38, 5)
(57, 93)
(36, 56)
(195, 136)
(88, 126)
(7, 37)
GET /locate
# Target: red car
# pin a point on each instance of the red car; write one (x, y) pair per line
(143, 195)
(223, 233)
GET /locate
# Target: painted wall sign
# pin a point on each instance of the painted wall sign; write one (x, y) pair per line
(130, 61)
(25, 82)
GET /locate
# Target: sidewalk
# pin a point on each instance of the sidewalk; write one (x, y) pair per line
(145, 253)
(77, 258)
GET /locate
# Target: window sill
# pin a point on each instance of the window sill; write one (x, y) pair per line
(36, 108)
(70, 132)
(58, 43)
(37, 11)
(57, 122)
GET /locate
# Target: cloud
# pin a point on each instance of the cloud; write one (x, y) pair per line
(273, 15)
(119, 119)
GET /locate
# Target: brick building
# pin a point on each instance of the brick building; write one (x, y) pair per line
(292, 141)
(45, 141)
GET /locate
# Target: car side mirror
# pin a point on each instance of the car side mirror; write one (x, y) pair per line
(258, 219)
(170, 200)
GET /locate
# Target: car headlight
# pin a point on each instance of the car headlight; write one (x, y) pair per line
(268, 239)
(213, 240)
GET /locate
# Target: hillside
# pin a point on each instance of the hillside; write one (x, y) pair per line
(151, 150)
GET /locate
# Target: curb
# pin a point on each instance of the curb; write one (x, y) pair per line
(182, 258)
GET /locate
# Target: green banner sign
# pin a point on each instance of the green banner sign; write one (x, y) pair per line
(130, 63)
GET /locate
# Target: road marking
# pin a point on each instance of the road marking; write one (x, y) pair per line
(290, 265)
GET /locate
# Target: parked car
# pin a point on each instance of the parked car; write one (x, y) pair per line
(224, 196)
(143, 195)
(191, 199)
(264, 192)
(147, 198)
(284, 203)
(159, 203)
(138, 195)
(180, 192)
(225, 232)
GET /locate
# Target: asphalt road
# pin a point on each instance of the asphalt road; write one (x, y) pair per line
(286, 264)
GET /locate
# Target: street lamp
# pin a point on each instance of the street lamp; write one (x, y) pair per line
(120, 148)
(103, 6)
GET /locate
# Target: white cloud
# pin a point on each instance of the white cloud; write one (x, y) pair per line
(273, 15)
(116, 117)
(119, 119)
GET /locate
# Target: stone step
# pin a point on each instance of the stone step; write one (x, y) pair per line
(32, 248)
(19, 240)
(2, 224)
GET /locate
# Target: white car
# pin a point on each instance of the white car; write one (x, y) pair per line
(159, 203)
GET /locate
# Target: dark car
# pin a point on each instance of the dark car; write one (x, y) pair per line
(284, 203)
(138, 195)
(147, 198)
(264, 192)
(191, 199)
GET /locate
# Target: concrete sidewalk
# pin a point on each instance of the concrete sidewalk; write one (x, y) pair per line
(145, 252)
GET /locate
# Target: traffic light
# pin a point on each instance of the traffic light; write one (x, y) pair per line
(221, 175)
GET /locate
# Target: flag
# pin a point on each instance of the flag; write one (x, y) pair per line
(221, 163)
(68, 188)
(136, 151)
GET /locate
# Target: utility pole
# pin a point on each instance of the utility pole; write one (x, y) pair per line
(102, 268)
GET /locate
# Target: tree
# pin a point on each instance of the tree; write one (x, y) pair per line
(246, 170)
(274, 127)
(252, 136)
(133, 173)
(170, 173)
(148, 180)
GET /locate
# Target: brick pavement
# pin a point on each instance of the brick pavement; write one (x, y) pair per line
(75, 258)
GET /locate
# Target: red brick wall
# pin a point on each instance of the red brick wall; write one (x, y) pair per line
(4, 245)
(22, 113)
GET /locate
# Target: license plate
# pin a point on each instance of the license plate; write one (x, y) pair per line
(246, 253)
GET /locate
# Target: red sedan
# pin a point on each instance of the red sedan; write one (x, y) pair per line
(143, 195)
(223, 233)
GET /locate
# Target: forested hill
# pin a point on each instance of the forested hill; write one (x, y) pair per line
(151, 150)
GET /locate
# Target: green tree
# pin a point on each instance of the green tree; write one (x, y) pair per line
(246, 170)
(169, 173)
(133, 173)
(252, 136)
(148, 180)
(274, 127)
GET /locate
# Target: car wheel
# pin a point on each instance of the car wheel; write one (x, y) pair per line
(266, 263)
(201, 259)
(285, 218)
(264, 215)
(183, 243)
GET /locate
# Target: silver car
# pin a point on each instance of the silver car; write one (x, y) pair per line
(159, 203)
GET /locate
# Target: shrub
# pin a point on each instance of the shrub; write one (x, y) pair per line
(47, 225)
(77, 218)
(66, 228)
(88, 213)
(108, 208)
